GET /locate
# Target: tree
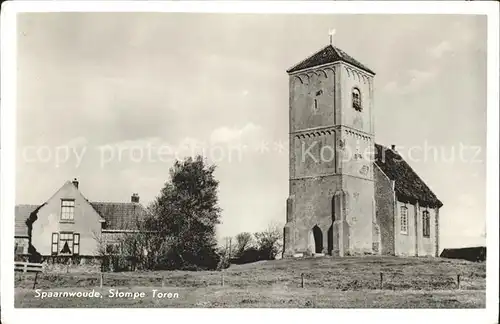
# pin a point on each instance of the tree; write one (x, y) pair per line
(185, 215)
(269, 242)
(178, 229)
(243, 241)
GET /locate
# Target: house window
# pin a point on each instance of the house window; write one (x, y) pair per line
(55, 242)
(76, 243)
(19, 248)
(68, 210)
(404, 220)
(66, 243)
(426, 224)
(356, 99)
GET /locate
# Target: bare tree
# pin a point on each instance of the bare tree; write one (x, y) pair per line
(243, 241)
(269, 241)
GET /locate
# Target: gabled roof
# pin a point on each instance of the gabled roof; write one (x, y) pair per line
(22, 213)
(408, 185)
(119, 216)
(328, 54)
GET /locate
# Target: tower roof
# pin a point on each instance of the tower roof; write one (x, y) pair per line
(328, 54)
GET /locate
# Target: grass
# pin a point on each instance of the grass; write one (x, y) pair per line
(329, 282)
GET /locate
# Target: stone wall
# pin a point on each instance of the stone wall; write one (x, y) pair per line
(384, 201)
(351, 77)
(310, 205)
(311, 98)
(359, 214)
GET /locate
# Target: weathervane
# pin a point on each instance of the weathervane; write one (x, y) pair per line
(331, 33)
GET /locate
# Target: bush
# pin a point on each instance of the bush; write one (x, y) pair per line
(249, 255)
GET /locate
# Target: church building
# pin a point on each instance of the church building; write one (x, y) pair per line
(347, 194)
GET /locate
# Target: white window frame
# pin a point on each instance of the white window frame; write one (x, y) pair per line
(403, 220)
(66, 237)
(54, 244)
(76, 243)
(67, 210)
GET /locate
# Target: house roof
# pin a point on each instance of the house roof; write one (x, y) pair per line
(119, 216)
(408, 185)
(22, 213)
(328, 54)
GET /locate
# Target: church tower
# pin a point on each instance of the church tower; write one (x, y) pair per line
(331, 203)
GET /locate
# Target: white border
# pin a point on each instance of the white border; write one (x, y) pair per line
(8, 122)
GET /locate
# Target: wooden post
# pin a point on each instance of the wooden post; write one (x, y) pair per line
(222, 278)
(101, 280)
(381, 280)
(302, 280)
(163, 281)
(458, 281)
(34, 282)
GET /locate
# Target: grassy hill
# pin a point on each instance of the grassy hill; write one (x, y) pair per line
(328, 282)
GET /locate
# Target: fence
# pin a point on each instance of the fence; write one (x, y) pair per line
(28, 267)
(305, 280)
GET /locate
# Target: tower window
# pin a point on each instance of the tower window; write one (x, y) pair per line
(356, 99)
(315, 104)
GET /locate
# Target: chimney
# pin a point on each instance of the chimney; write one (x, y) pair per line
(75, 183)
(134, 198)
(393, 147)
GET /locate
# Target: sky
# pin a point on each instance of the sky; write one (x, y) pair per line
(113, 98)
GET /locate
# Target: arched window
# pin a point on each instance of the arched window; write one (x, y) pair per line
(356, 99)
(426, 224)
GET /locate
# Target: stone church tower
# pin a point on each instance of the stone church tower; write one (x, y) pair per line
(331, 204)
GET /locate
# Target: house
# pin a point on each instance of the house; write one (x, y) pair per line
(347, 194)
(68, 224)
(474, 254)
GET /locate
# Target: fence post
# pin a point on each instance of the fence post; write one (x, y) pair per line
(222, 278)
(302, 280)
(163, 281)
(381, 280)
(101, 277)
(458, 281)
(34, 282)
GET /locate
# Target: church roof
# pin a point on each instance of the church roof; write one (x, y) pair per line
(408, 185)
(328, 54)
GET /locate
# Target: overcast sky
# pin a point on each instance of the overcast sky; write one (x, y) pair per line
(99, 83)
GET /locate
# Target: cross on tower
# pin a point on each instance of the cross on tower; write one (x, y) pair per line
(331, 33)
